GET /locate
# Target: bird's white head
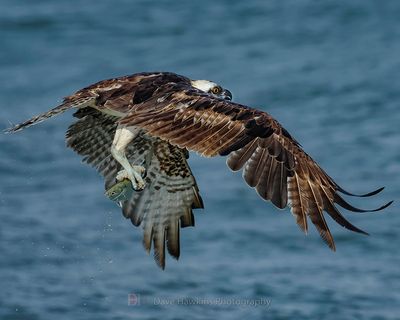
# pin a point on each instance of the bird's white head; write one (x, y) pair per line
(212, 88)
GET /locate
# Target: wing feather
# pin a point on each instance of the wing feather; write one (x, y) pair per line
(91, 137)
(317, 217)
(296, 201)
(237, 159)
(172, 238)
(254, 167)
(263, 185)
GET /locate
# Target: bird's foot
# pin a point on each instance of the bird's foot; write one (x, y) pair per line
(135, 175)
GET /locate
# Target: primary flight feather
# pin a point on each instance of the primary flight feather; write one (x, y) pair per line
(140, 127)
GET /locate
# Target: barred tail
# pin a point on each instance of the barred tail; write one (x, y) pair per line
(53, 112)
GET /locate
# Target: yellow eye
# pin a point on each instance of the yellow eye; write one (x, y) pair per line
(216, 90)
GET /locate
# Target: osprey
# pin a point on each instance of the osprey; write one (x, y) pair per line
(141, 127)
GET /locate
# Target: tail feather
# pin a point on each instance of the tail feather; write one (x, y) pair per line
(80, 102)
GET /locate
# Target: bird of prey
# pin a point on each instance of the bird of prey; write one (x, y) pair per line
(141, 127)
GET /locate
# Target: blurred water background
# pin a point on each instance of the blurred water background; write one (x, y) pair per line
(328, 71)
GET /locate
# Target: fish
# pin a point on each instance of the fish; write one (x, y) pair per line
(121, 191)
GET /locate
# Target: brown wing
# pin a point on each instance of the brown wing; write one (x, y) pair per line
(171, 192)
(111, 96)
(274, 163)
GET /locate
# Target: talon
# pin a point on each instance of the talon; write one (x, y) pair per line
(137, 183)
(142, 170)
(122, 175)
(140, 185)
(135, 176)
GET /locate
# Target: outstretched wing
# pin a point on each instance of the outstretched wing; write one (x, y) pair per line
(111, 96)
(274, 163)
(171, 192)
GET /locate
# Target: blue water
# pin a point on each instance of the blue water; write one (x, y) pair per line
(328, 71)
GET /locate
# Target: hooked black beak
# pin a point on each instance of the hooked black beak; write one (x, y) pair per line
(226, 94)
